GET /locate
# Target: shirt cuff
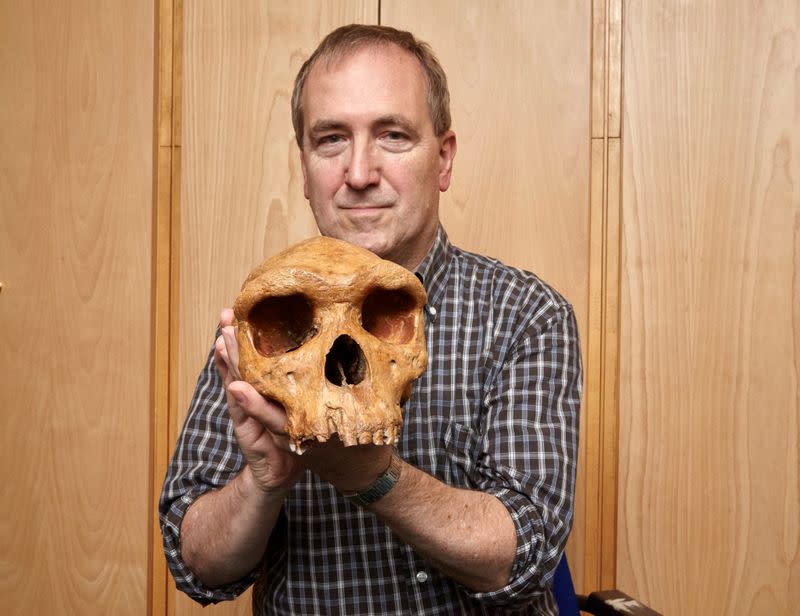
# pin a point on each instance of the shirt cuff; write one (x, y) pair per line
(534, 562)
(185, 579)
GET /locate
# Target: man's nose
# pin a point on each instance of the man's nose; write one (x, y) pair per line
(363, 169)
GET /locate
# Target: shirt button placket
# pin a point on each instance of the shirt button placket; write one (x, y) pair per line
(418, 593)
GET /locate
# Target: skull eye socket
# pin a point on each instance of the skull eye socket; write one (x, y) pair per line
(281, 324)
(390, 315)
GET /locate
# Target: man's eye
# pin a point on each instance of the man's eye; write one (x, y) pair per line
(329, 139)
(395, 140)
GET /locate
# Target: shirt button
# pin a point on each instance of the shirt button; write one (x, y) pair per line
(422, 577)
(432, 311)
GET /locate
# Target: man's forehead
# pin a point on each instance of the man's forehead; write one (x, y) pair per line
(378, 77)
(385, 57)
(375, 49)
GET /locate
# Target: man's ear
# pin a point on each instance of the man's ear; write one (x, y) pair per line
(305, 173)
(447, 152)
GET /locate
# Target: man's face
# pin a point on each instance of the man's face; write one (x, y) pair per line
(372, 164)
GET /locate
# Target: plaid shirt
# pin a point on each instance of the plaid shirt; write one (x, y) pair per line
(496, 411)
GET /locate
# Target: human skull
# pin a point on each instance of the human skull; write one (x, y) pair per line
(335, 334)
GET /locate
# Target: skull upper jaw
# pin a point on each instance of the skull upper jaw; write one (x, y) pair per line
(367, 412)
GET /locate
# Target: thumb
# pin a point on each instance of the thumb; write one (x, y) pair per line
(249, 403)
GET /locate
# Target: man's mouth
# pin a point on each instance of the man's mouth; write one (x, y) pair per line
(365, 206)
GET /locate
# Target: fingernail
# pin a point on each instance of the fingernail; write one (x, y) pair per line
(239, 397)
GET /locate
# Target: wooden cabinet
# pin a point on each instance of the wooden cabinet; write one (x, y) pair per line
(76, 195)
(709, 496)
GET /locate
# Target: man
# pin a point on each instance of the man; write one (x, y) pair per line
(475, 504)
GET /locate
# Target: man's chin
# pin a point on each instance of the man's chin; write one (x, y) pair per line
(370, 240)
(374, 244)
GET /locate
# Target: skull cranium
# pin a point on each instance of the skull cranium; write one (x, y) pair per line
(335, 334)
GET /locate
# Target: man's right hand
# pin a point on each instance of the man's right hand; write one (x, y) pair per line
(225, 532)
(259, 425)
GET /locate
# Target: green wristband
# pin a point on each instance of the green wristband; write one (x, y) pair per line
(382, 485)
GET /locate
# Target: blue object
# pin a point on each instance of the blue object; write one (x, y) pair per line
(564, 591)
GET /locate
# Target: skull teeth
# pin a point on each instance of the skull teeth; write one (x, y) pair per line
(389, 436)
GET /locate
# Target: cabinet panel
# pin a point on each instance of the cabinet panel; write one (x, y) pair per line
(709, 497)
(76, 172)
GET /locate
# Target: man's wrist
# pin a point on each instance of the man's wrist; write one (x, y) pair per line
(381, 486)
(250, 490)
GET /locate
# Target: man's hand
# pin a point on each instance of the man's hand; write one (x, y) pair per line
(348, 469)
(258, 423)
(225, 532)
(259, 427)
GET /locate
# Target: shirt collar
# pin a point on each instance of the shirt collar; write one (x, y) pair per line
(433, 271)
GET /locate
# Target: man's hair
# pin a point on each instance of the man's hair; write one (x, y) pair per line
(347, 39)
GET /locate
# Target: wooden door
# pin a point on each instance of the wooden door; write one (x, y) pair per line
(76, 85)
(709, 492)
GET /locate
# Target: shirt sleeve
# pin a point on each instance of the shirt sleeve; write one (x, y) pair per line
(206, 457)
(530, 448)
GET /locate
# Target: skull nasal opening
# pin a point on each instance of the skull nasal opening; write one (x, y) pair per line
(345, 363)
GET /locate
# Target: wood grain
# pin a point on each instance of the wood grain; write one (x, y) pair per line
(709, 493)
(600, 407)
(519, 81)
(76, 188)
(165, 155)
(599, 59)
(241, 195)
(160, 370)
(613, 111)
(609, 433)
(591, 411)
(165, 71)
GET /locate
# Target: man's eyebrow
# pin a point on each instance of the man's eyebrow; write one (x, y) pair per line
(320, 126)
(394, 120)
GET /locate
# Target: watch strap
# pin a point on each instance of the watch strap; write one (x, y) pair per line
(381, 486)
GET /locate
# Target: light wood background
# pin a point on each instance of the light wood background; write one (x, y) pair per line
(76, 173)
(640, 156)
(709, 492)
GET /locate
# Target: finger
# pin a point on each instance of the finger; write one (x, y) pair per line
(232, 348)
(248, 429)
(226, 318)
(221, 350)
(253, 404)
(221, 361)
